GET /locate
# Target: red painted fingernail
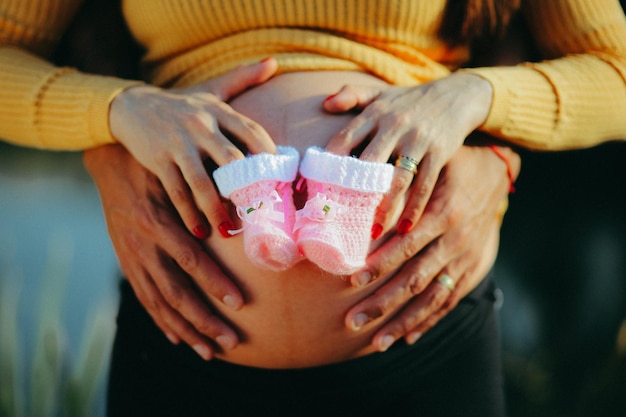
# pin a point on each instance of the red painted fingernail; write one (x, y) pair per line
(330, 97)
(377, 230)
(405, 226)
(225, 227)
(201, 231)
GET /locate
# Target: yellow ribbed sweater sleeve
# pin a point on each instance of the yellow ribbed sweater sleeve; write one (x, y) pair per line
(41, 105)
(576, 101)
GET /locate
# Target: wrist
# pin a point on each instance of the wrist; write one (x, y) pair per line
(101, 156)
(481, 93)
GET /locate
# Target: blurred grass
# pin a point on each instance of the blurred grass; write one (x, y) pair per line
(51, 383)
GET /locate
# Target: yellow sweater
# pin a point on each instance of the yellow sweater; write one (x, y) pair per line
(576, 99)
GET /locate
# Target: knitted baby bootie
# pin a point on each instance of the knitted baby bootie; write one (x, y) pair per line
(260, 187)
(333, 229)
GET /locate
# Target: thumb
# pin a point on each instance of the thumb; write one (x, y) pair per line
(238, 80)
(351, 97)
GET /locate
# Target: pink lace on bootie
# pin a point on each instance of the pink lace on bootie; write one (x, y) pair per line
(333, 229)
(260, 187)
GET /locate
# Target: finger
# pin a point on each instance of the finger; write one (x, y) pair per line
(394, 199)
(360, 127)
(351, 97)
(241, 78)
(181, 197)
(419, 329)
(410, 281)
(182, 297)
(190, 256)
(222, 121)
(469, 269)
(351, 136)
(399, 249)
(419, 194)
(420, 310)
(205, 195)
(169, 321)
(167, 318)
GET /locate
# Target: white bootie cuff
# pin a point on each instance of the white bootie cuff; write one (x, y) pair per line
(346, 171)
(238, 174)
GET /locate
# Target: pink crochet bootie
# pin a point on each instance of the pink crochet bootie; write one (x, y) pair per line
(260, 187)
(333, 229)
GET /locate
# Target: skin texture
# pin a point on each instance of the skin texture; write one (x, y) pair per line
(187, 293)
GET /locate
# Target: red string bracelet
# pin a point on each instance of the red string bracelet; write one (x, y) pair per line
(506, 160)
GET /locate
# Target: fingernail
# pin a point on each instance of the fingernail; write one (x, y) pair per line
(225, 227)
(264, 60)
(377, 230)
(359, 320)
(363, 278)
(225, 342)
(231, 302)
(201, 231)
(330, 97)
(411, 338)
(385, 342)
(173, 339)
(405, 226)
(202, 351)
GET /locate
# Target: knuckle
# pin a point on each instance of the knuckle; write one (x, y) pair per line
(200, 182)
(417, 283)
(252, 127)
(230, 153)
(401, 183)
(408, 247)
(205, 326)
(438, 297)
(402, 118)
(173, 294)
(186, 259)
(161, 158)
(142, 217)
(452, 216)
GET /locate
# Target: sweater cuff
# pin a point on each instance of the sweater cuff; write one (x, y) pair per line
(94, 93)
(518, 106)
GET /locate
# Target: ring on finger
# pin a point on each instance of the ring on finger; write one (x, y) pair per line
(407, 163)
(447, 281)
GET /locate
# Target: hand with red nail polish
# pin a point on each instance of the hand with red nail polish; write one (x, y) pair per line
(174, 132)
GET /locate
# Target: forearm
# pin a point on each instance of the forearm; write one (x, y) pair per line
(578, 98)
(575, 102)
(49, 107)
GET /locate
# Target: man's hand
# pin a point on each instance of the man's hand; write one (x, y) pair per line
(171, 274)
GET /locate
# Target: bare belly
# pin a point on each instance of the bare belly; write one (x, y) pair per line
(293, 318)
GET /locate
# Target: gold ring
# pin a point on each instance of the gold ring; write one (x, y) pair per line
(407, 163)
(446, 281)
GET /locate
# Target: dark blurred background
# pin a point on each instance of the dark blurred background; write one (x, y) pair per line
(562, 267)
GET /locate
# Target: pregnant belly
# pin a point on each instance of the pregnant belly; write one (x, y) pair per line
(293, 318)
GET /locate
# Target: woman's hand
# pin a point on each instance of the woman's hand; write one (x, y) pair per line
(168, 269)
(427, 123)
(460, 221)
(172, 132)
